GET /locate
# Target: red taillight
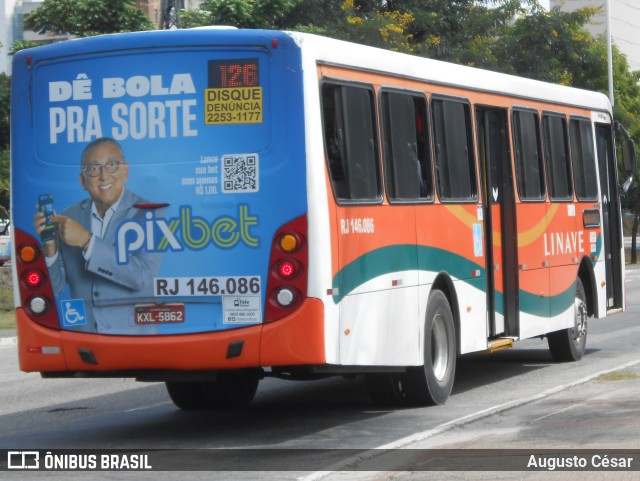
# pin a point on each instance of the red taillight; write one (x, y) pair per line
(287, 269)
(33, 278)
(36, 293)
(287, 285)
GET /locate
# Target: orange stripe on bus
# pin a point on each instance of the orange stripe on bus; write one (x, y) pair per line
(524, 238)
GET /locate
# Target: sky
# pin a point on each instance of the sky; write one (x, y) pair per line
(545, 3)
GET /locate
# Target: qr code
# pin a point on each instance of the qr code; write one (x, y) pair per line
(240, 173)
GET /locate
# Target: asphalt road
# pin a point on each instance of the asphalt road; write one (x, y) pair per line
(513, 399)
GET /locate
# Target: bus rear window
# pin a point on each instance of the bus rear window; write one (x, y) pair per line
(351, 142)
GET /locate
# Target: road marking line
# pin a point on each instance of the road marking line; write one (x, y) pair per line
(429, 433)
(142, 408)
(8, 341)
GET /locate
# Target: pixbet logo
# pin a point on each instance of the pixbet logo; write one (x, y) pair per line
(23, 460)
(187, 230)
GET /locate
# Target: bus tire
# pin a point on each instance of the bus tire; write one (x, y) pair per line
(186, 395)
(385, 388)
(432, 382)
(231, 389)
(569, 345)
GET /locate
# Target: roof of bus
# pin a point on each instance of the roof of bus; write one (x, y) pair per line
(327, 50)
(331, 51)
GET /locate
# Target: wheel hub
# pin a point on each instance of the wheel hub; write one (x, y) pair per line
(439, 344)
(580, 328)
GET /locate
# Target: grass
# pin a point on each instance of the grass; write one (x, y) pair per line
(7, 319)
(616, 376)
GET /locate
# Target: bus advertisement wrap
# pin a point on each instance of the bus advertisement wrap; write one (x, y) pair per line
(151, 165)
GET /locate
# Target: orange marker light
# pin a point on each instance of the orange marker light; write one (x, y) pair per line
(27, 253)
(289, 243)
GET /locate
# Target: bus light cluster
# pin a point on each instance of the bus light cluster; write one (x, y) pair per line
(287, 285)
(35, 290)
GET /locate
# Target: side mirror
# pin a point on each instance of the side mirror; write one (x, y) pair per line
(629, 161)
(629, 156)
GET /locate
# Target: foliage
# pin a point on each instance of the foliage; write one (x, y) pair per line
(552, 46)
(5, 125)
(459, 31)
(314, 16)
(84, 18)
(194, 17)
(238, 13)
(21, 45)
(5, 110)
(375, 27)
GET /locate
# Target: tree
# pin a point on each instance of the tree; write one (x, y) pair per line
(551, 46)
(21, 45)
(238, 13)
(316, 16)
(373, 26)
(5, 110)
(84, 18)
(458, 30)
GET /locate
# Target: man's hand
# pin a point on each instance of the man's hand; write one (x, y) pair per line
(39, 222)
(71, 232)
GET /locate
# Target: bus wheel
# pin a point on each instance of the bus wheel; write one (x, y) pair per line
(432, 382)
(231, 389)
(186, 395)
(569, 344)
(428, 384)
(228, 390)
(385, 388)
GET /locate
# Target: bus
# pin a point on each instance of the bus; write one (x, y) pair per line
(209, 207)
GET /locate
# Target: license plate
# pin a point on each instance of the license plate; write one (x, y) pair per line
(159, 314)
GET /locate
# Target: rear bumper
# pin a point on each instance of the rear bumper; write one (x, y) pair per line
(297, 339)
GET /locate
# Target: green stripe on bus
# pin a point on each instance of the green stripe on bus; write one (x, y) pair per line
(397, 258)
(405, 257)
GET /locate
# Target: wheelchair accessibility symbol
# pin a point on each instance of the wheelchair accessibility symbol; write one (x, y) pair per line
(73, 313)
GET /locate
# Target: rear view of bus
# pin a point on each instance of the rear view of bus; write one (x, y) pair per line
(159, 201)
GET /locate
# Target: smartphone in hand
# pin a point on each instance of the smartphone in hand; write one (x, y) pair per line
(45, 203)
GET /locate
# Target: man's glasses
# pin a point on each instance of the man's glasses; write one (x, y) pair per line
(110, 167)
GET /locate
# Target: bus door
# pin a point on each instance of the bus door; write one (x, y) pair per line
(499, 221)
(610, 208)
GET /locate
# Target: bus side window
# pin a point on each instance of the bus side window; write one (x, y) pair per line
(406, 146)
(455, 163)
(350, 142)
(528, 157)
(557, 156)
(583, 159)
